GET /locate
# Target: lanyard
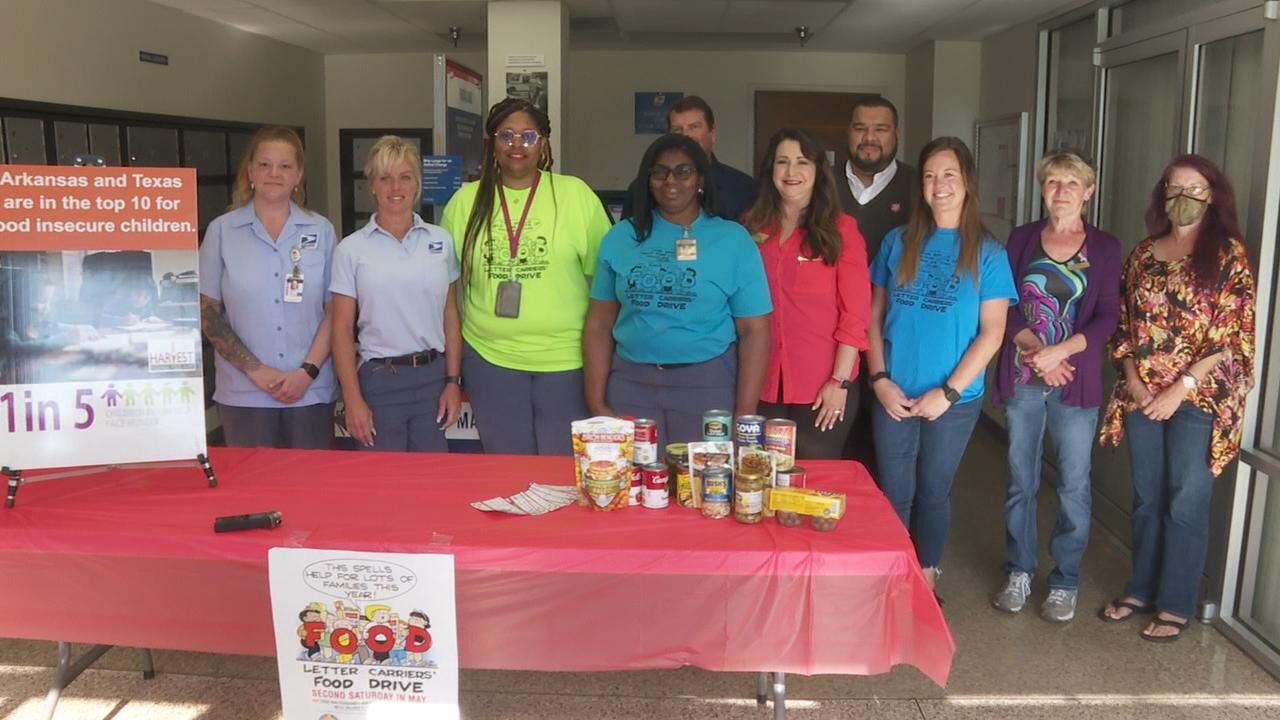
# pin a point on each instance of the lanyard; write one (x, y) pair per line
(513, 236)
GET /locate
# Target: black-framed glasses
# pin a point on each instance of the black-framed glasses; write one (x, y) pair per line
(683, 171)
(508, 137)
(1194, 191)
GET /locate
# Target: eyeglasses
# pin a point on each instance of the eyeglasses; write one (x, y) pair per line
(683, 171)
(508, 137)
(1195, 191)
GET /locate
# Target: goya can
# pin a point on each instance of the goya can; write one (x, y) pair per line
(717, 490)
(646, 443)
(654, 494)
(637, 485)
(717, 425)
(780, 441)
(748, 431)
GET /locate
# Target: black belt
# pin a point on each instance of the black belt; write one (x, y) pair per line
(672, 366)
(426, 357)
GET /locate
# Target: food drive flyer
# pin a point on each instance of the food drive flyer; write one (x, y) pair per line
(100, 358)
(364, 636)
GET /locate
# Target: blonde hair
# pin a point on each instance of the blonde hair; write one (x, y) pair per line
(1066, 162)
(242, 190)
(389, 150)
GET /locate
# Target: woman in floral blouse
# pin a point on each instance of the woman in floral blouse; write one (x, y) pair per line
(1185, 345)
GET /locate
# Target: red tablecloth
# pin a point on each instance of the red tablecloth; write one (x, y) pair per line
(129, 558)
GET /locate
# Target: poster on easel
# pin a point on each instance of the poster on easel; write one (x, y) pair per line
(100, 356)
(364, 636)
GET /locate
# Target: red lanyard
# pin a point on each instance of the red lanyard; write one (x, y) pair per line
(513, 236)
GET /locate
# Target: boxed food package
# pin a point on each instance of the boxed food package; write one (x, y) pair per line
(824, 507)
(602, 448)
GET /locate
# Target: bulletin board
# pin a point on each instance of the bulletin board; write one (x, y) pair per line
(1001, 148)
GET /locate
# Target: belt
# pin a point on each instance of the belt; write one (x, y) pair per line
(426, 357)
(672, 366)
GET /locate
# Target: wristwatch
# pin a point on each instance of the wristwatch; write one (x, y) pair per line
(312, 371)
(882, 375)
(453, 380)
(952, 396)
(844, 384)
(1189, 381)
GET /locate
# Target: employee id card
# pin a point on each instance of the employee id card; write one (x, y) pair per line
(293, 286)
(686, 248)
(508, 301)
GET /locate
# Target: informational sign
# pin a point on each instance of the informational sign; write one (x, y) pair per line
(364, 636)
(100, 358)
(461, 115)
(441, 178)
(651, 111)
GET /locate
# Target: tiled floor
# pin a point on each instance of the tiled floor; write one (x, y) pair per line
(1005, 666)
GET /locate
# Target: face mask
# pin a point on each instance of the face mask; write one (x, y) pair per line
(1184, 211)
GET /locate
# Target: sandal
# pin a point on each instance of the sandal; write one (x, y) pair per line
(1161, 622)
(1134, 609)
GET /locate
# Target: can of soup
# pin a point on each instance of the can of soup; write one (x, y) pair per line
(655, 495)
(717, 425)
(645, 449)
(748, 431)
(780, 440)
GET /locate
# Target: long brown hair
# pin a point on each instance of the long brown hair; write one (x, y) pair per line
(822, 238)
(921, 224)
(481, 218)
(242, 190)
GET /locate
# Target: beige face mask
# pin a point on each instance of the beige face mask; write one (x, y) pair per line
(1184, 211)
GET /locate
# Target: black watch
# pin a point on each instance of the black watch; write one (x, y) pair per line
(453, 379)
(952, 396)
(877, 377)
(312, 371)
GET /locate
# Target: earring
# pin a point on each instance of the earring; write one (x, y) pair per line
(699, 191)
(250, 187)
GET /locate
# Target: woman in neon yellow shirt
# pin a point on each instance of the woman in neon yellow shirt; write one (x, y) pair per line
(527, 240)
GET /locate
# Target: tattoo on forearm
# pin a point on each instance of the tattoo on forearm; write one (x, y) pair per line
(223, 338)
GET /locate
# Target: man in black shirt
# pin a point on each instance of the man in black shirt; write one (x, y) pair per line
(876, 189)
(735, 190)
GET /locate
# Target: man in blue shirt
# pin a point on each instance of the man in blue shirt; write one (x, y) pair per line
(735, 190)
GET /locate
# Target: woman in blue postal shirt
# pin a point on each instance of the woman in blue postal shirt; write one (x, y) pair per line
(393, 279)
(941, 290)
(264, 271)
(679, 316)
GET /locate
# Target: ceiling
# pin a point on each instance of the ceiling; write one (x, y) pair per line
(882, 26)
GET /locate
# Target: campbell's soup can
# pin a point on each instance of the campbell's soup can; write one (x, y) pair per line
(645, 449)
(637, 485)
(791, 477)
(780, 441)
(717, 425)
(748, 431)
(655, 495)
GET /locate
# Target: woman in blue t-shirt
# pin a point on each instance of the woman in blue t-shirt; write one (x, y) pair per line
(941, 290)
(679, 316)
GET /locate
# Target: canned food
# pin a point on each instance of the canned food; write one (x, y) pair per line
(780, 440)
(637, 485)
(748, 497)
(646, 442)
(748, 431)
(717, 425)
(684, 486)
(717, 486)
(655, 494)
(791, 477)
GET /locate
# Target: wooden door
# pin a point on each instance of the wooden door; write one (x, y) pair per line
(824, 114)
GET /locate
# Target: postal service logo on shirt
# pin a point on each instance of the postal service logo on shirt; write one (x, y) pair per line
(435, 245)
(658, 280)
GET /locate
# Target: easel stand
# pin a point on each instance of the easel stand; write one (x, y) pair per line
(67, 669)
(15, 478)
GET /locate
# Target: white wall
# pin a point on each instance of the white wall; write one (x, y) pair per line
(957, 83)
(1009, 65)
(378, 91)
(605, 150)
(919, 103)
(86, 54)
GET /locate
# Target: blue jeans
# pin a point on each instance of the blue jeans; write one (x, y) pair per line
(1071, 429)
(1172, 487)
(918, 460)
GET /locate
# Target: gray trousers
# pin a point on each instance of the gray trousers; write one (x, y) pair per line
(675, 398)
(522, 413)
(309, 427)
(404, 401)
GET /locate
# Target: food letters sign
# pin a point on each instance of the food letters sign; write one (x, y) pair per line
(100, 358)
(364, 636)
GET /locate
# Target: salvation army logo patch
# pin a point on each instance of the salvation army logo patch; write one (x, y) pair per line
(896, 208)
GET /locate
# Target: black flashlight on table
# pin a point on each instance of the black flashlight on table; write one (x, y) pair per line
(252, 521)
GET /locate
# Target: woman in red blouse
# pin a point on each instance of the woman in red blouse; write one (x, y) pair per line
(816, 263)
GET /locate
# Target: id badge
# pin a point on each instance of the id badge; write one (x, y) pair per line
(1083, 264)
(508, 302)
(293, 287)
(686, 248)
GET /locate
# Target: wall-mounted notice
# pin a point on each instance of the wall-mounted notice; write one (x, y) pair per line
(100, 358)
(531, 86)
(461, 115)
(441, 178)
(651, 111)
(364, 636)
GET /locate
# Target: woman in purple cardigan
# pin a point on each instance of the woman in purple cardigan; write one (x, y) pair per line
(1068, 277)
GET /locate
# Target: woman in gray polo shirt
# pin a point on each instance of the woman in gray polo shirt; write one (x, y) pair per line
(393, 280)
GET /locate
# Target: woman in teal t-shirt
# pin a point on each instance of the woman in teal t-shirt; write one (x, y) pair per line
(941, 290)
(679, 316)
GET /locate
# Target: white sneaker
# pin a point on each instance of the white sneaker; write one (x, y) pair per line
(1014, 595)
(1060, 606)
